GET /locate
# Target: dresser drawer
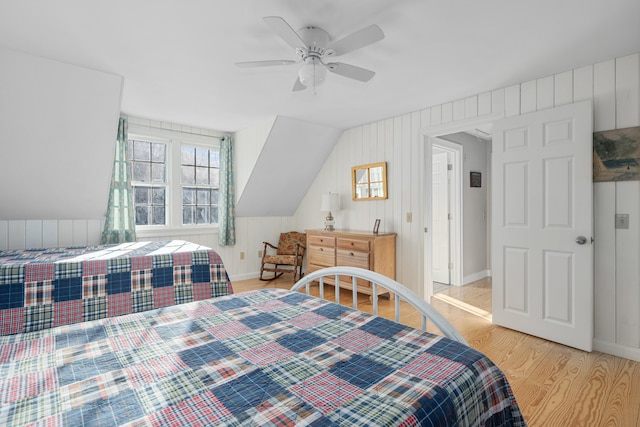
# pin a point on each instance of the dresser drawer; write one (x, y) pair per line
(353, 245)
(352, 258)
(321, 241)
(323, 256)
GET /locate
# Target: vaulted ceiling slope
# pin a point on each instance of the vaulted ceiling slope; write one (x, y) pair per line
(177, 57)
(287, 163)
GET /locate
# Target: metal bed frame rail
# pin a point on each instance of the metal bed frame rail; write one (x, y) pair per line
(398, 290)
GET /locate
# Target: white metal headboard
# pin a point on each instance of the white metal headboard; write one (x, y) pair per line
(378, 280)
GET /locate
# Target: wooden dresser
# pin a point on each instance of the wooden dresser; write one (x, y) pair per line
(376, 252)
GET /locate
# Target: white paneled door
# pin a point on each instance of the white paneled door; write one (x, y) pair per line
(542, 254)
(440, 212)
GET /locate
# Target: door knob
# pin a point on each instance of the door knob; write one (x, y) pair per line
(581, 240)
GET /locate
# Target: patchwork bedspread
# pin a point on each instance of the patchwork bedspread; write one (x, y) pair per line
(44, 288)
(269, 357)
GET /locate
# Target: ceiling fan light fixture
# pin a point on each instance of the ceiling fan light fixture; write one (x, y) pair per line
(312, 73)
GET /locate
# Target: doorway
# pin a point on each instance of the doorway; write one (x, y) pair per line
(467, 226)
(445, 191)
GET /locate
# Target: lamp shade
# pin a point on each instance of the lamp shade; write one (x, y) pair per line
(312, 73)
(330, 202)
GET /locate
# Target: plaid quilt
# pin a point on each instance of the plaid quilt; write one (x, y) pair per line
(44, 288)
(268, 357)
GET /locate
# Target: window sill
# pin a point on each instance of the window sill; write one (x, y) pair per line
(176, 232)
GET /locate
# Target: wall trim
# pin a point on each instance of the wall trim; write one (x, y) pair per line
(460, 125)
(631, 353)
(476, 276)
(245, 276)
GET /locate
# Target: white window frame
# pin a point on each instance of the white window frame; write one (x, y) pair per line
(167, 185)
(179, 170)
(173, 214)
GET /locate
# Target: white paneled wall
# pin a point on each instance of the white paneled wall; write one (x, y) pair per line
(613, 85)
(21, 234)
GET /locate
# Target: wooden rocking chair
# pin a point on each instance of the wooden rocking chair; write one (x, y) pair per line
(288, 256)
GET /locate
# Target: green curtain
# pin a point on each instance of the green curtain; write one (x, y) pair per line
(227, 196)
(120, 224)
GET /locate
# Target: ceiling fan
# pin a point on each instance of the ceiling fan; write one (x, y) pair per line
(313, 45)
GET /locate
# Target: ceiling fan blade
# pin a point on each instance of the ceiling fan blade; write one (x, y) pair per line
(284, 30)
(264, 63)
(351, 71)
(298, 85)
(360, 38)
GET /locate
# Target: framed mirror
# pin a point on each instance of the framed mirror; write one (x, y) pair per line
(369, 182)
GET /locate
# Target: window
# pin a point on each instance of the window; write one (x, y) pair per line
(200, 178)
(175, 182)
(148, 162)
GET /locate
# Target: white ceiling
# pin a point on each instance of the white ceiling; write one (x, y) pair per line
(177, 57)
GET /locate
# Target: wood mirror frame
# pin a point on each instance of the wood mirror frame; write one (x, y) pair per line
(369, 182)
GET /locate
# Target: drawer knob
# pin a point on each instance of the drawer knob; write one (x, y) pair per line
(351, 253)
(321, 249)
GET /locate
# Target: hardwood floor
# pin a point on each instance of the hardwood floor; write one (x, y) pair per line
(554, 385)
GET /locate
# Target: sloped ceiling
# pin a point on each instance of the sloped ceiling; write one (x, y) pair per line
(289, 161)
(177, 57)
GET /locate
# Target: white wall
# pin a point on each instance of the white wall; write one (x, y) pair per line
(58, 125)
(613, 85)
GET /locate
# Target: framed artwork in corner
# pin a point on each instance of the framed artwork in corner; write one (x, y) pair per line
(475, 179)
(376, 226)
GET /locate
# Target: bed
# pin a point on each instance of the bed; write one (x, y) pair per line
(43, 288)
(264, 357)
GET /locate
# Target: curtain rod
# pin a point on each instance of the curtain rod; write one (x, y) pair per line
(173, 130)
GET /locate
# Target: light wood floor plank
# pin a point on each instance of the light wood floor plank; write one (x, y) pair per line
(554, 385)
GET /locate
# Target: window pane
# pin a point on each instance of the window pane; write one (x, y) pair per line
(214, 158)
(203, 196)
(141, 172)
(158, 152)
(202, 214)
(188, 196)
(188, 214)
(141, 151)
(202, 176)
(214, 214)
(362, 190)
(215, 177)
(141, 195)
(157, 172)
(142, 215)
(158, 215)
(376, 189)
(361, 175)
(214, 197)
(187, 156)
(158, 196)
(188, 175)
(202, 157)
(376, 174)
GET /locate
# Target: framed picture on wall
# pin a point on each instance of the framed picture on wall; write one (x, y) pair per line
(475, 179)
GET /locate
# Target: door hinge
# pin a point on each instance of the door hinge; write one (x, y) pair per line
(425, 230)
(449, 167)
(450, 266)
(449, 216)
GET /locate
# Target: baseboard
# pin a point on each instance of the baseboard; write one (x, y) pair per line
(476, 276)
(631, 353)
(244, 276)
